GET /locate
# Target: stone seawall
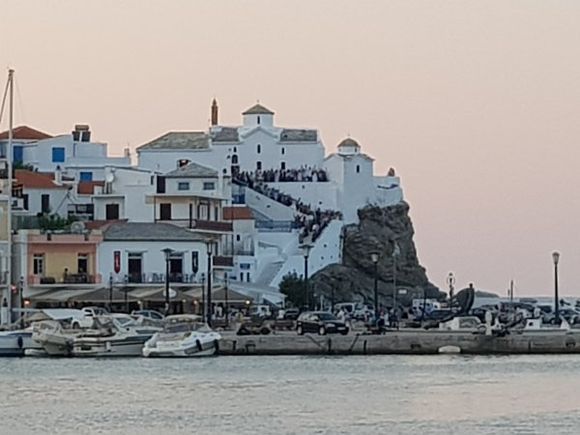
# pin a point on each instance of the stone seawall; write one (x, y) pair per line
(400, 343)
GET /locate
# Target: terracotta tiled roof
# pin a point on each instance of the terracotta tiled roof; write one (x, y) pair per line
(88, 187)
(23, 132)
(237, 213)
(36, 180)
(102, 225)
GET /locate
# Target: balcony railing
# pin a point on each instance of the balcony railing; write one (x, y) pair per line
(72, 278)
(222, 261)
(200, 224)
(159, 278)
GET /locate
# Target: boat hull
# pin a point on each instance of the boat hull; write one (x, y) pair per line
(113, 347)
(197, 346)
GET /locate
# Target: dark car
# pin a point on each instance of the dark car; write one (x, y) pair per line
(320, 322)
(291, 314)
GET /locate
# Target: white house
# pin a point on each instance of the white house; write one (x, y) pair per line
(133, 252)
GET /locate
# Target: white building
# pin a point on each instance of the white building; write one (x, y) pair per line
(74, 152)
(254, 145)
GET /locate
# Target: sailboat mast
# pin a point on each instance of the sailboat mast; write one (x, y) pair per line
(9, 192)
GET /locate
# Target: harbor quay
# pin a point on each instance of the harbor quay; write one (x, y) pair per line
(401, 342)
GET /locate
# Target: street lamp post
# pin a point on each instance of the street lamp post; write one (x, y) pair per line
(209, 271)
(226, 313)
(167, 252)
(306, 253)
(111, 293)
(375, 260)
(395, 255)
(451, 284)
(556, 259)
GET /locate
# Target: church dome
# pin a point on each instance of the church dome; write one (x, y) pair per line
(348, 142)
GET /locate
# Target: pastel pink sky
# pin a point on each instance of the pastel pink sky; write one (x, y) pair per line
(475, 103)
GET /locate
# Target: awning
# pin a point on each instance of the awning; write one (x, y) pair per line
(157, 294)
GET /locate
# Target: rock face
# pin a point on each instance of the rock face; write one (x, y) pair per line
(385, 231)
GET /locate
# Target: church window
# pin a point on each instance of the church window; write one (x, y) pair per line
(259, 148)
(235, 159)
(282, 165)
(259, 166)
(357, 169)
(258, 119)
(283, 151)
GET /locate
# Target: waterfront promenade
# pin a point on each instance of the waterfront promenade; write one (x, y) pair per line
(401, 342)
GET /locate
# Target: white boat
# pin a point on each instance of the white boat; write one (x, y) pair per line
(55, 339)
(112, 339)
(183, 336)
(17, 343)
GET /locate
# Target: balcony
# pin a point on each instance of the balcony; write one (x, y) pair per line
(222, 261)
(201, 225)
(159, 278)
(72, 279)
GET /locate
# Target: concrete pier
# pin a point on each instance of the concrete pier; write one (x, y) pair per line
(401, 342)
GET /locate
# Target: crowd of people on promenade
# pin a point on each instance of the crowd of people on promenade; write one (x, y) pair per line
(304, 173)
(310, 222)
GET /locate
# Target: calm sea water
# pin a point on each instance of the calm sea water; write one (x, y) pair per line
(292, 395)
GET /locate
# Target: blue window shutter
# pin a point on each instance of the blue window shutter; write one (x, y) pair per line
(17, 154)
(86, 176)
(58, 155)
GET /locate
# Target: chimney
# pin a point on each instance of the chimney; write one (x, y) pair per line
(214, 112)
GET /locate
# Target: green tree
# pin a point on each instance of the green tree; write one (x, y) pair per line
(293, 287)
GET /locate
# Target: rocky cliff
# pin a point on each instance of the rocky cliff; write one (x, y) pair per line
(388, 232)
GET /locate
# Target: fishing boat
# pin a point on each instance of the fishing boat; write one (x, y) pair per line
(183, 336)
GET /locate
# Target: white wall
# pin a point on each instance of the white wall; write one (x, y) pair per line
(59, 200)
(268, 207)
(318, 195)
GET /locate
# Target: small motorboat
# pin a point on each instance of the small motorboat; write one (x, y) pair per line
(183, 336)
(17, 342)
(111, 338)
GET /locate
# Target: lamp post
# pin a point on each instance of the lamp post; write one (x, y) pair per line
(111, 293)
(21, 294)
(306, 248)
(395, 255)
(226, 313)
(209, 271)
(375, 260)
(556, 259)
(451, 284)
(167, 252)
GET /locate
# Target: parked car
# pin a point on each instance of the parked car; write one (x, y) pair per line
(85, 320)
(320, 322)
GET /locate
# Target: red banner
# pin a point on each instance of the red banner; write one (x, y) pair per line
(117, 261)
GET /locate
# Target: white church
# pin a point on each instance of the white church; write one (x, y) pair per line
(276, 172)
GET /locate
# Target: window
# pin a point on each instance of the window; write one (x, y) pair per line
(135, 267)
(25, 201)
(17, 154)
(258, 119)
(282, 165)
(248, 276)
(58, 154)
(112, 212)
(259, 166)
(194, 261)
(160, 184)
(182, 162)
(238, 238)
(183, 185)
(82, 263)
(235, 150)
(216, 213)
(283, 150)
(165, 212)
(38, 264)
(208, 185)
(86, 176)
(259, 148)
(235, 159)
(242, 276)
(357, 169)
(45, 203)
